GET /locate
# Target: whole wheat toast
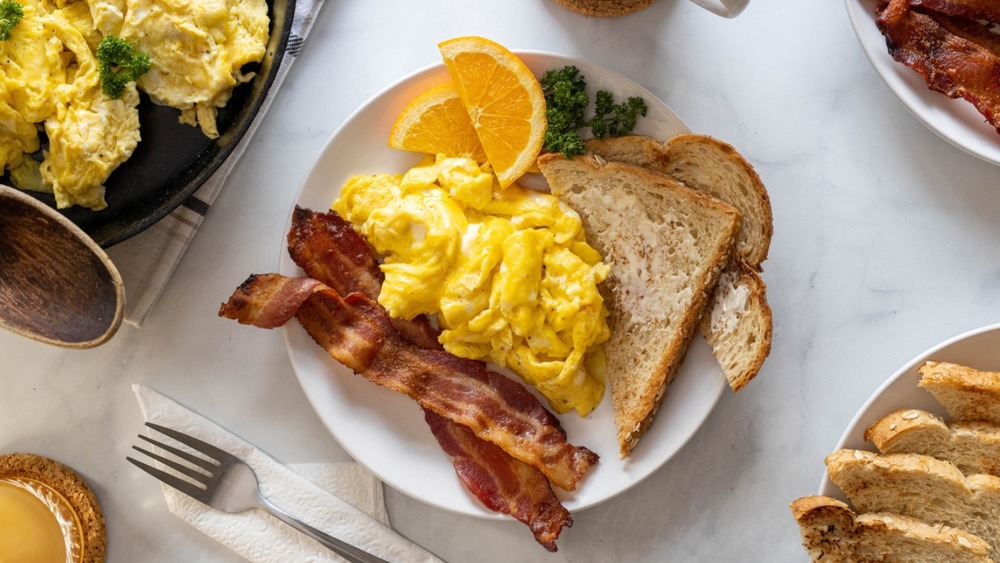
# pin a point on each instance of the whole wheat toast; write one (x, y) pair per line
(832, 532)
(666, 245)
(739, 326)
(920, 487)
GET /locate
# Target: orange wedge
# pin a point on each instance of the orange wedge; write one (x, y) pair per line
(504, 102)
(436, 122)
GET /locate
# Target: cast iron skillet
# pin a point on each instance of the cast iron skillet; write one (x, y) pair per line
(174, 159)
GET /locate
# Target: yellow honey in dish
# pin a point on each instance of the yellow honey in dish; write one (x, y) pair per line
(29, 531)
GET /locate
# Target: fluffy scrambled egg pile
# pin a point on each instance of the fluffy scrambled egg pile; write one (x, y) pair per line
(507, 272)
(49, 76)
(49, 80)
(197, 48)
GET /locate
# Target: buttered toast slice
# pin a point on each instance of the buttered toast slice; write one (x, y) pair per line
(973, 446)
(740, 325)
(666, 245)
(832, 532)
(705, 164)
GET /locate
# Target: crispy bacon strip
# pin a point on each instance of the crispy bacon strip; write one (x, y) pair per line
(356, 331)
(274, 304)
(970, 30)
(988, 10)
(949, 63)
(329, 249)
(502, 483)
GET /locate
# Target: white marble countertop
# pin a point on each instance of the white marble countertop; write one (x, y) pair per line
(884, 245)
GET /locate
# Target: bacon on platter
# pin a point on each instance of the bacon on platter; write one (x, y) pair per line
(949, 63)
(987, 10)
(971, 30)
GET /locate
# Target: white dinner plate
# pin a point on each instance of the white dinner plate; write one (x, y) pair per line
(979, 349)
(385, 431)
(955, 121)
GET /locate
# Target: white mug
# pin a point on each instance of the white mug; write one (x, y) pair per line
(724, 8)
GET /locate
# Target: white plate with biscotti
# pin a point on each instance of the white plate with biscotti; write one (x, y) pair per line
(386, 431)
(978, 348)
(954, 120)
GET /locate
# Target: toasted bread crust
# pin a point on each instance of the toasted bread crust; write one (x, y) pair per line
(973, 446)
(625, 213)
(888, 432)
(966, 393)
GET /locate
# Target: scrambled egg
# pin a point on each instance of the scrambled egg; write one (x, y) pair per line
(49, 79)
(197, 49)
(49, 76)
(507, 272)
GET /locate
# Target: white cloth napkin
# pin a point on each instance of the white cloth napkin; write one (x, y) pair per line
(348, 506)
(147, 260)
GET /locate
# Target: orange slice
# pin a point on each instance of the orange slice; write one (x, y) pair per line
(436, 122)
(504, 101)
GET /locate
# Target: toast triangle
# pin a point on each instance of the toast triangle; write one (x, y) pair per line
(666, 245)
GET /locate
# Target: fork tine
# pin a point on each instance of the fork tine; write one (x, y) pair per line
(172, 480)
(192, 473)
(203, 447)
(199, 461)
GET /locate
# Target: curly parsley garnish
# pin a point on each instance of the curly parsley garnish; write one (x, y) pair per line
(119, 63)
(10, 15)
(566, 101)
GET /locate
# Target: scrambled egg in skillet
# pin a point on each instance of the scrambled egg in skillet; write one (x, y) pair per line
(49, 75)
(197, 49)
(49, 78)
(507, 272)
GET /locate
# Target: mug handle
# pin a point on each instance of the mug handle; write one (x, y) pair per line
(724, 8)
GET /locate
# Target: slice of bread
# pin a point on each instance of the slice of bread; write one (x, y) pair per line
(832, 532)
(740, 326)
(920, 487)
(966, 393)
(666, 245)
(973, 446)
(706, 164)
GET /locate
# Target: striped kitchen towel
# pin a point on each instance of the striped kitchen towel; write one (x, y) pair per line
(147, 260)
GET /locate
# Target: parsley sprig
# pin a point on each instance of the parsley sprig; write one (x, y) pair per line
(10, 15)
(566, 102)
(119, 63)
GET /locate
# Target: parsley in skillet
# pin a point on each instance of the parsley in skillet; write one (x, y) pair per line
(119, 63)
(10, 15)
(566, 101)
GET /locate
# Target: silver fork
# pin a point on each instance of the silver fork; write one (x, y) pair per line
(227, 483)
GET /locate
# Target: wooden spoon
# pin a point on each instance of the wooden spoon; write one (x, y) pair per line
(56, 284)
